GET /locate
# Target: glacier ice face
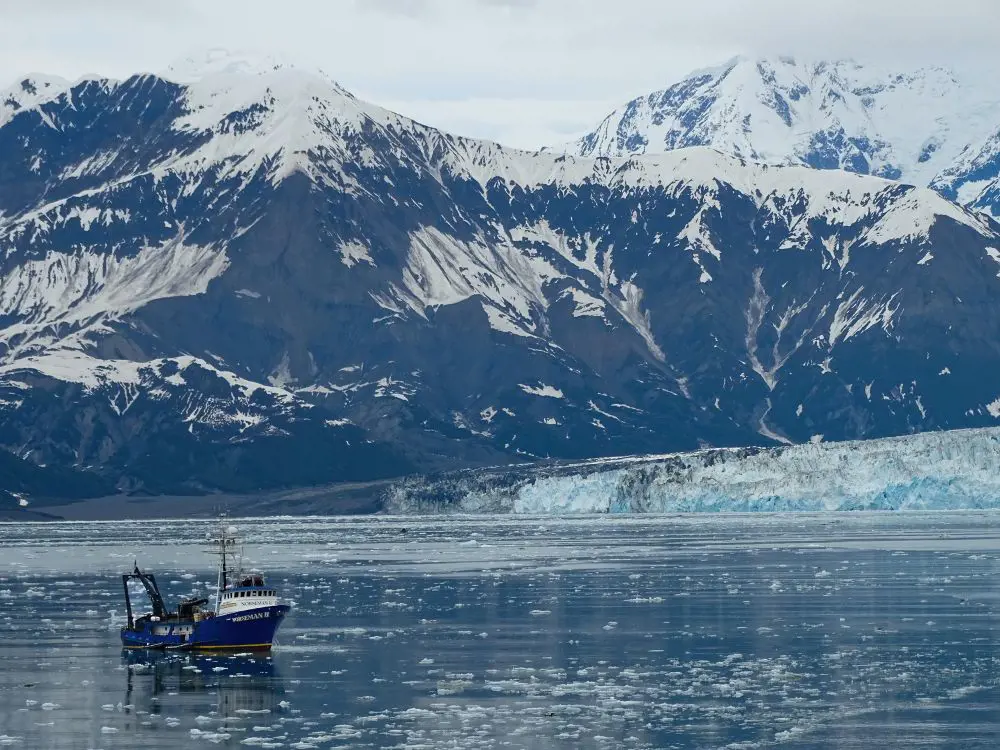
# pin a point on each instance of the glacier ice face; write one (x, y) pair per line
(932, 471)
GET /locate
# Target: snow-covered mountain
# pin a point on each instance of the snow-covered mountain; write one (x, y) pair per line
(247, 278)
(29, 92)
(953, 470)
(925, 127)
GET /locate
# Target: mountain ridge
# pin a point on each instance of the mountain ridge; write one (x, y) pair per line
(926, 126)
(197, 277)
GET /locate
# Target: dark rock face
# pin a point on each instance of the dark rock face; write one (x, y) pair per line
(22, 479)
(272, 294)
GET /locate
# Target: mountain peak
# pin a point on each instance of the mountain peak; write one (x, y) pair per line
(220, 68)
(828, 114)
(196, 66)
(28, 91)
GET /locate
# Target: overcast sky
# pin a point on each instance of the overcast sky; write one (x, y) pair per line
(525, 72)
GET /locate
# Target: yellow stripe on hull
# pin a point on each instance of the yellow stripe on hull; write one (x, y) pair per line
(204, 648)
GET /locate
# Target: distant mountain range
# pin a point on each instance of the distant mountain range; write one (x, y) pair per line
(238, 276)
(924, 127)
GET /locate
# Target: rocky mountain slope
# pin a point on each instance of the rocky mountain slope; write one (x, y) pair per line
(925, 127)
(233, 277)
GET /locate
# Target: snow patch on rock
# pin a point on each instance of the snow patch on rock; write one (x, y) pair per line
(546, 391)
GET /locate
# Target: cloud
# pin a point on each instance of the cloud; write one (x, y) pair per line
(520, 122)
(457, 61)
(410, 8)
(509, 3)
(52, 11)
(416, 8)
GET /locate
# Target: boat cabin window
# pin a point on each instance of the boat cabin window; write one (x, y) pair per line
(246, 594)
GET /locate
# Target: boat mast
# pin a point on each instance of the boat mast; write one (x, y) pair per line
(225, 572)
(223, 577)
(226, 540)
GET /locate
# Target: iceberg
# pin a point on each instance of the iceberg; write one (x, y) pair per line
(951, 470)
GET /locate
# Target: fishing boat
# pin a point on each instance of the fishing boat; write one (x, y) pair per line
(243, 614)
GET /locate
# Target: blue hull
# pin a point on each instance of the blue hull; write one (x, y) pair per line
(248, 630)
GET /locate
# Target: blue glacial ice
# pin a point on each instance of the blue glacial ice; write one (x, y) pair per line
(931, 471)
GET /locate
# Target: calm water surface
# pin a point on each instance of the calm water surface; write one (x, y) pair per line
(677, 632)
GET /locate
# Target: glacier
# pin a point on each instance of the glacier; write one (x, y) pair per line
(951, 470)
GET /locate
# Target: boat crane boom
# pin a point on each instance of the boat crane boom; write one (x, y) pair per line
(148, 581)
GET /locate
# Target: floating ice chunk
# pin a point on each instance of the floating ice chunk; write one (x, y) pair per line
(213, 737)
(963, 692)
(416, 713)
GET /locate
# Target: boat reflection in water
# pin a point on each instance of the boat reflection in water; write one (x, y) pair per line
(214, 689)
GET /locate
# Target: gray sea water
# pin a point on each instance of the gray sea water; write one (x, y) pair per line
(846, 631)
